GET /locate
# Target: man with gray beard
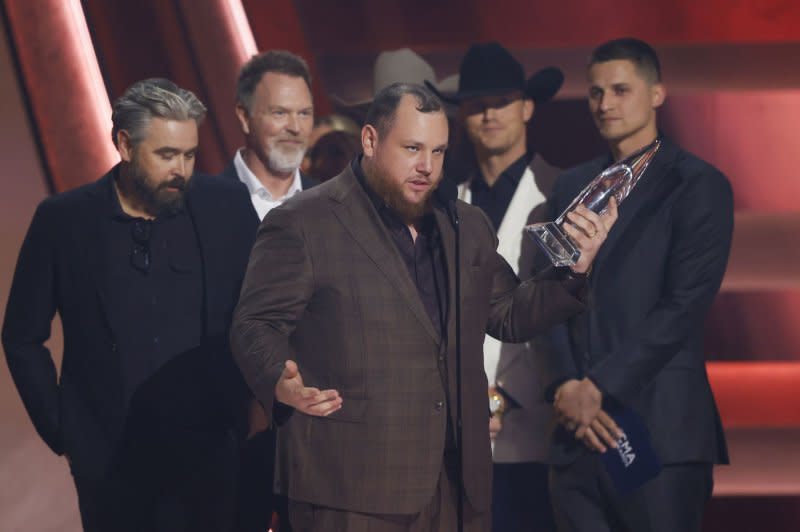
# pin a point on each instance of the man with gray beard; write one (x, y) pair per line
(276, 113)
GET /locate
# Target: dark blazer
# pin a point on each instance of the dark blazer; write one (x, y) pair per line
(305, 181)
(59, 269)
(652, 284)
(327, 287)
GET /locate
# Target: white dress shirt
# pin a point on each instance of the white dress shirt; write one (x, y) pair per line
(263, 202)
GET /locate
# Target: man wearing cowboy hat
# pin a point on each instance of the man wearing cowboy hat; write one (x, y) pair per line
(510, 184)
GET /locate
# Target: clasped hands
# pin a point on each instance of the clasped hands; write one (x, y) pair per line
(578, 405)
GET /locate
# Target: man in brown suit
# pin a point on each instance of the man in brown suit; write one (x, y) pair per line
(352, 286)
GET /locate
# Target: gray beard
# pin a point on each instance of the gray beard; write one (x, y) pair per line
(283, 162)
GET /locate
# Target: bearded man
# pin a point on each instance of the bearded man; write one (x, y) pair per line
(144, 267)
(348, 316)
(275, 111)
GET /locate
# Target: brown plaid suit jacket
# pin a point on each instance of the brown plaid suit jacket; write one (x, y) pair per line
(327, 288)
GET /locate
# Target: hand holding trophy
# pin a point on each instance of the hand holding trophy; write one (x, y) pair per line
(617, 181)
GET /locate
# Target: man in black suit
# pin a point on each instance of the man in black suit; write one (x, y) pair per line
(640, 347)
(144, 267)
(275, 111)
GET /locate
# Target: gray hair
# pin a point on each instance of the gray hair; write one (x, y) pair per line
(153, 98)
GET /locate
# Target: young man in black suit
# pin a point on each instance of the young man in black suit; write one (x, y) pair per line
(144, 268)
(640, 346)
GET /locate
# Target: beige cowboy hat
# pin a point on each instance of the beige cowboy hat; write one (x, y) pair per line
(401, 66)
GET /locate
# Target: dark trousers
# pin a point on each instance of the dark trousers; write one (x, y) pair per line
(440, 515)
(521, 499)
(585, 500)
(166, 481)
(255, 502)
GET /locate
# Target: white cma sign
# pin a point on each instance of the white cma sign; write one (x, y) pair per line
(625, 451)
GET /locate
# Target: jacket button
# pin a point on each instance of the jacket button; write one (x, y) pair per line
(439, 405)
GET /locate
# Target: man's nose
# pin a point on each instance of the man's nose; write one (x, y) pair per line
(180, 166)
(425, 164)
(293, 124)
(606, 101)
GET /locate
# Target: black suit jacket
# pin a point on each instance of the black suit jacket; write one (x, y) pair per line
(652, 285)
(59, 269)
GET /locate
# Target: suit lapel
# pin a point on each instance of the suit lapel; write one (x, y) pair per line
(638, 198)
(449, 245)
(195, 209)
(510, 232)
(355, 211)
(95, 228)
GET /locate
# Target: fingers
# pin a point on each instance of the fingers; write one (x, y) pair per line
(314, 402)
(592, 442)
(588, 231)
(290, 369)
(609, 425)
(585, 221)
(495, 426)
(602, 434)
(609, 218)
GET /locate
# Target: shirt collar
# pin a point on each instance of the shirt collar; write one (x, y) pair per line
(256, 187)
(513, 174)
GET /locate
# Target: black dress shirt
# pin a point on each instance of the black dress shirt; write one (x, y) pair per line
(422, 256)
(154, 280)
(494, 200)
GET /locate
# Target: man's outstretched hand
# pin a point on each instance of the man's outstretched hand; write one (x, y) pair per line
(291, 391)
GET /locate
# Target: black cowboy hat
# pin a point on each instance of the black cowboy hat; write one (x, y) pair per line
(488, 69)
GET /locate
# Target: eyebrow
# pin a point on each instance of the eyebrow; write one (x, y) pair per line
(419, 144)
(167, 150)
(284, 108)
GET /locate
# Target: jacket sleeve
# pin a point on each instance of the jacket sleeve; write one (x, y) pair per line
(276, 290)
(701, 239)
(520, 311)
(29, 314)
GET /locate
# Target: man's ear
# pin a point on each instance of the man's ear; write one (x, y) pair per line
(528, 106)
(658, 93)
(369, 140)
(125, 145)
(244, 118)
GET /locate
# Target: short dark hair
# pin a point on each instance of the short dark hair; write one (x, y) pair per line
(641, 54)
(382, 112)
(277, 61)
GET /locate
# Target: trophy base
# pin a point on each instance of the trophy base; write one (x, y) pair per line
(556, 245)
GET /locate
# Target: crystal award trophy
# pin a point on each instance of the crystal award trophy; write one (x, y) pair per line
(617, 180)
